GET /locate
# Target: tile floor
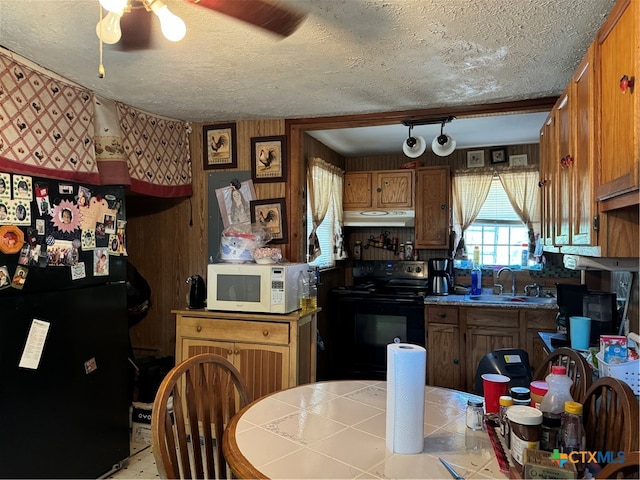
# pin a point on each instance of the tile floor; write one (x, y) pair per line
(141, 464)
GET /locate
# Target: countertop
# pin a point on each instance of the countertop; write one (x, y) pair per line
(463, 301)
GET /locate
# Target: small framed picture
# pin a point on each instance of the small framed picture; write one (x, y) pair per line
(518, 160)
(219, 146)
(498, 155)
(272, 216)
(475, 158)
(234, 202)
(268, 159)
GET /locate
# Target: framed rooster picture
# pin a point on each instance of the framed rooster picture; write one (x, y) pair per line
(271, 215)
(268, 159)
(219, 148)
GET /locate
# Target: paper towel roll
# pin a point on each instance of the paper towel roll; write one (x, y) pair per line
(406, 366)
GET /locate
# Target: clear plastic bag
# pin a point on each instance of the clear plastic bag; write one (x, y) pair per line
(238, 242)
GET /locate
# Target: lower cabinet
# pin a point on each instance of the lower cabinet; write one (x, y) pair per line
(459, 337)
(444, 366)
(272, 352)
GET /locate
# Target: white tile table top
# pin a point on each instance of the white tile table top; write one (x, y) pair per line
(337, 430)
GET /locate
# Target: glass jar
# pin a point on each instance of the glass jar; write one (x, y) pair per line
(505, 402)
(475, 414)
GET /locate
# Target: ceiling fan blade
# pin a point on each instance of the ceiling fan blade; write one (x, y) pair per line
(136, 30)
(270, 16)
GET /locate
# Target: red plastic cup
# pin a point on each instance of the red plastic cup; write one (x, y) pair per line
(494, 386)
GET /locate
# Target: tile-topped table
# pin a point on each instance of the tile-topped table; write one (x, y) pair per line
(337, 430)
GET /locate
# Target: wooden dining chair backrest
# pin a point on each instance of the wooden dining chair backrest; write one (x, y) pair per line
(578, 369)
(610, 416)
(629, 469)
(193, 405)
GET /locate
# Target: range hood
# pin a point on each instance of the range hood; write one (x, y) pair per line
(378, 218)
(580, 262)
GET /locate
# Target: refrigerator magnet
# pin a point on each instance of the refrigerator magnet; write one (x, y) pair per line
(22, 187)
(4, 277)
(5, 185)
(11, 239)
(20, 277)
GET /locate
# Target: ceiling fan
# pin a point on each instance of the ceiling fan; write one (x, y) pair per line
(128, 22)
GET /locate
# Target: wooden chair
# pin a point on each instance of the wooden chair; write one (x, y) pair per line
(630, 468)
(193, 405)
(610, 416)
(577, 368)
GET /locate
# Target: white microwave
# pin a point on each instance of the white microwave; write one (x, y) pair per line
(252, 287)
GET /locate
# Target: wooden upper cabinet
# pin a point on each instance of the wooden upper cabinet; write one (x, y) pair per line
(583, 208)
(357, 190)
(562, 164)
(617, 54)
(433, 207)
(547, 175)
(380, 189)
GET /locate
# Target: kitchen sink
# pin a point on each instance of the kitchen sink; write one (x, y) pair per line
(510, 299)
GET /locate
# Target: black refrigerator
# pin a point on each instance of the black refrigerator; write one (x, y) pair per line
(64, 340)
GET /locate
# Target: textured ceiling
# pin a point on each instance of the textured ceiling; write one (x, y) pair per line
(348, 57)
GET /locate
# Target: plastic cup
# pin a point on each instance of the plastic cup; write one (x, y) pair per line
(580, 332)
(494, 386)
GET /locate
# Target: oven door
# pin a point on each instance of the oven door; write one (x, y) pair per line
(361, 329)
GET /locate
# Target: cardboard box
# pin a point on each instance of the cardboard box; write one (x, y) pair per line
(141, 422)
(537, 464)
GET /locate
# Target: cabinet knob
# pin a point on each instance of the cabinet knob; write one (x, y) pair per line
(237, 352)
(456, 361)
(378, 189)
(443, 206)
(230, 352)
(626, 83)
(265, 333)
(198, 328)
(443, 315)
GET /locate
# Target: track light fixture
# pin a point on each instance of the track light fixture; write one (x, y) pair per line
(442, 145)
(108, 29)
(413, 147)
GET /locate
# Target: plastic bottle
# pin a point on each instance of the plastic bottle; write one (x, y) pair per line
(525, 255)
(572, 436)
(309, 292)
(476, 273)
(505, 402)
(552, 406)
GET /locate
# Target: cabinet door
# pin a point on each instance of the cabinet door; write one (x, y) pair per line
(480, 341)
(582, 194)
(547, 176)
(357, 190)
(433, 217)
(444, 367)
(265, 368)
(537, 321)
(394, 189)
(563, 169)
(617, 52)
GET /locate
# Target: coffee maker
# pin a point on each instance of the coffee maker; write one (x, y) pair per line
(439, 276)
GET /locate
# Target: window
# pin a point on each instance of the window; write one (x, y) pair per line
(326, 233)
(497, 230)
(324, 187)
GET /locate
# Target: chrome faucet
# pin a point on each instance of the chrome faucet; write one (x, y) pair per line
(513, 279)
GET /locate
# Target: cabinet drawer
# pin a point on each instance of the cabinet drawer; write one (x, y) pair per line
(234, 330)
(436, 314)
(541, 320)
(492, 317)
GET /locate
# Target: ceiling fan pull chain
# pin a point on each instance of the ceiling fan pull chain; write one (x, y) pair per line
(101, 72)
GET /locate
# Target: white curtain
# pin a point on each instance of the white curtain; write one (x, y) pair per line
(469, 194)
(524, 195)
(322, 182)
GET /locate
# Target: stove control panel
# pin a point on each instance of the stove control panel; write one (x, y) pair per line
(390, 269)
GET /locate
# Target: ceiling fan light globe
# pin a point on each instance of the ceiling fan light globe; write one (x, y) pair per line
(108, 29)
(172, 26)
(114, 5)
(443, 148)
(418, 148)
